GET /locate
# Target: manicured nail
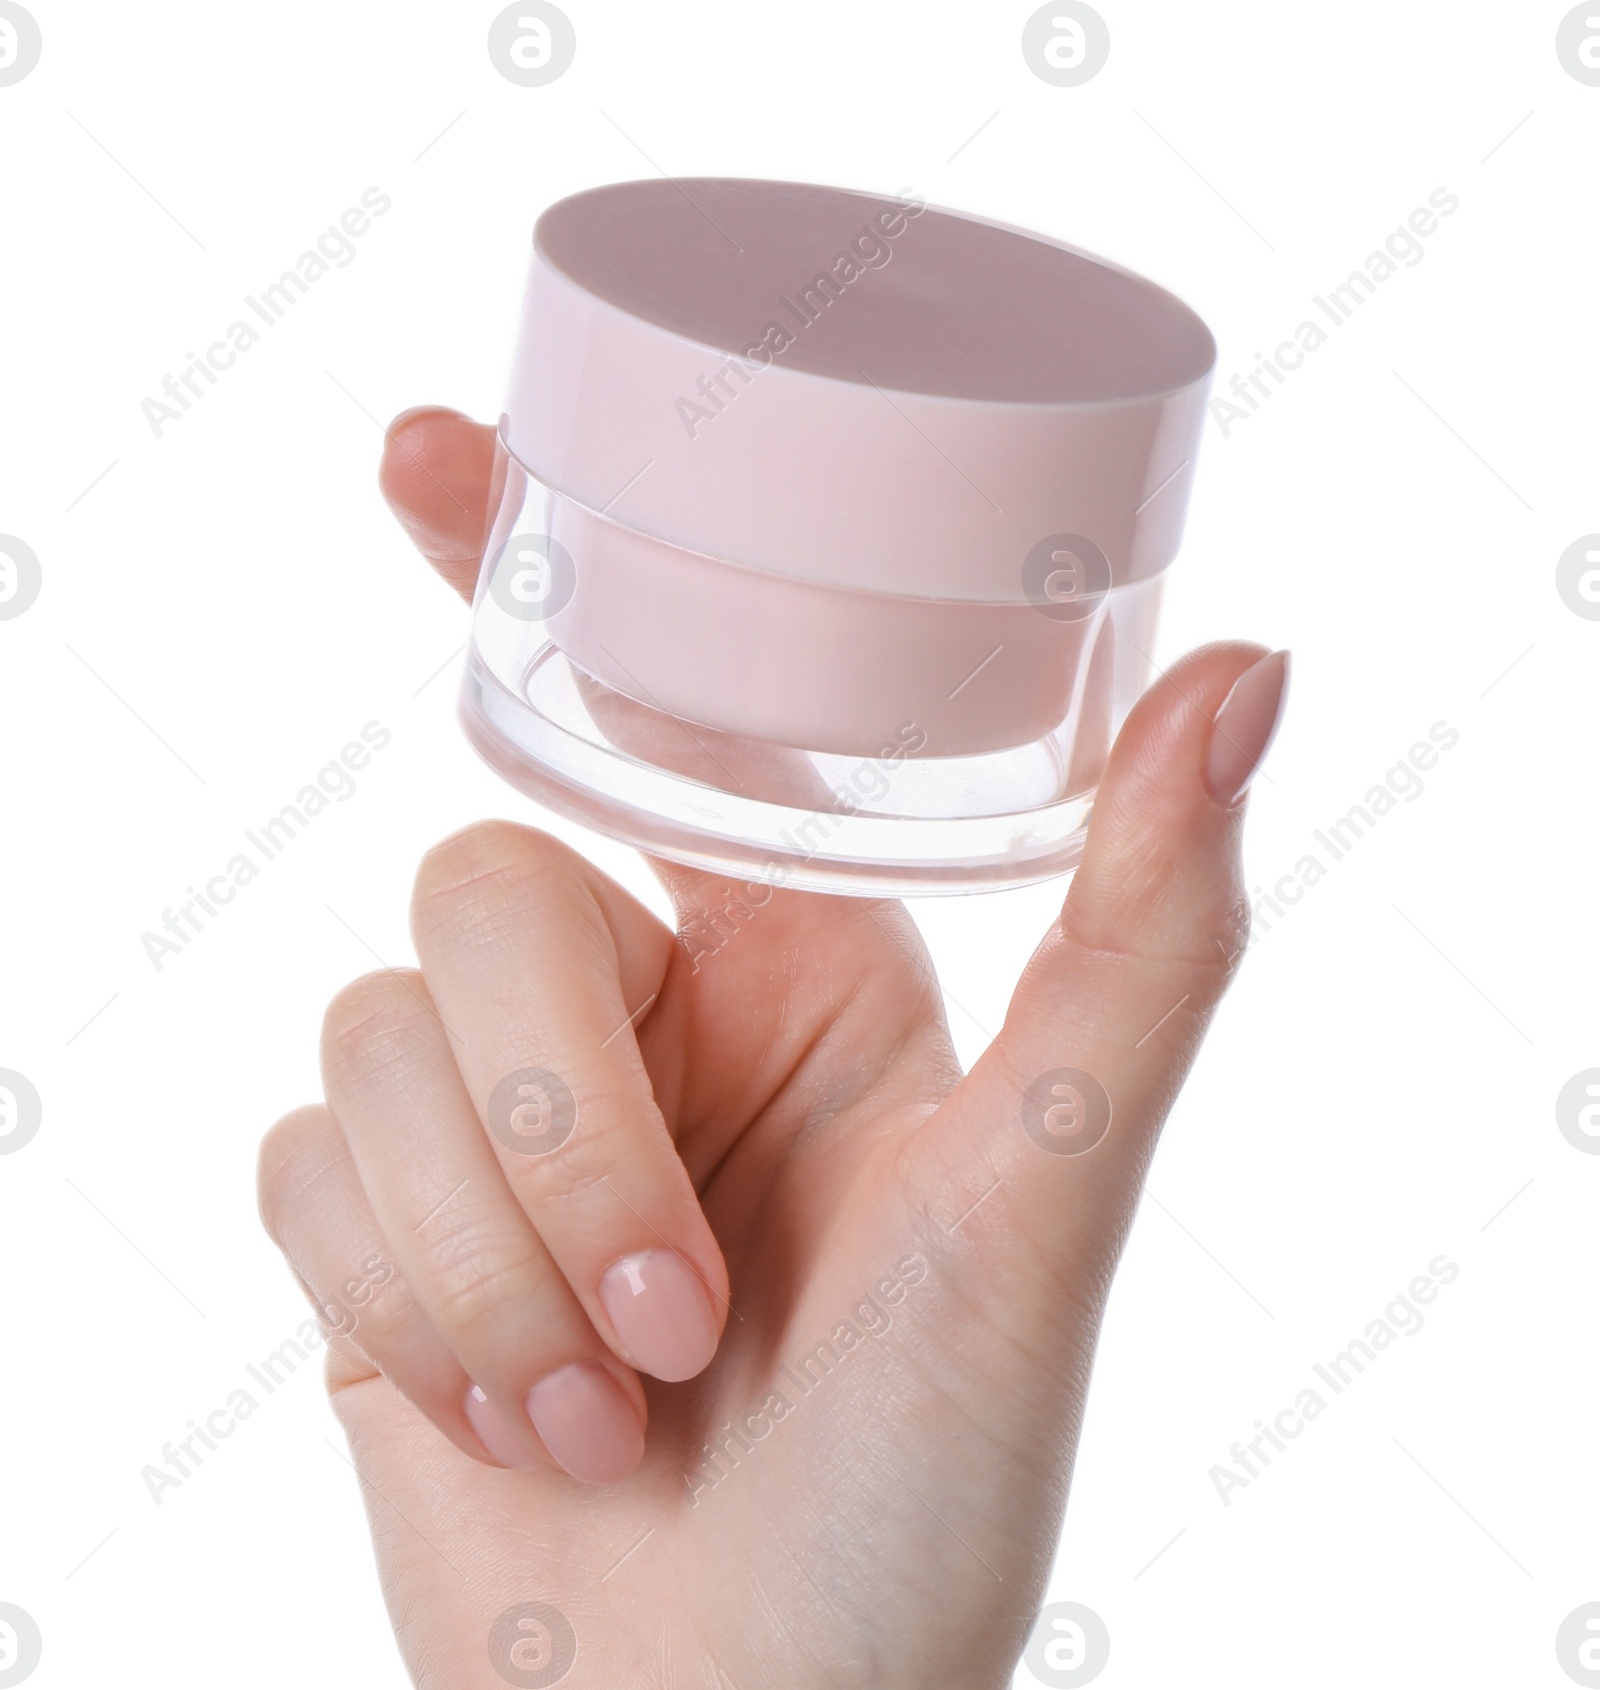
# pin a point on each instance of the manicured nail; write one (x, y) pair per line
(1245, 727)
(494, 1434)
(662, 1313)
(587, 1424)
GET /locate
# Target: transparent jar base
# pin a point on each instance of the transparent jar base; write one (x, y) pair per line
(891, 825)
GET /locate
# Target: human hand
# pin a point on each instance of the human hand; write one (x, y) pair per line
(863, 1290)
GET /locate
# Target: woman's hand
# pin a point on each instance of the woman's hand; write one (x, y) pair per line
(720, 1332)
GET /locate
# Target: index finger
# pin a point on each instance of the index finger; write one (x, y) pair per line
(436, 474)
(546, 982)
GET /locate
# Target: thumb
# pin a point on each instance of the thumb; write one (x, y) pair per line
(1051, 1132)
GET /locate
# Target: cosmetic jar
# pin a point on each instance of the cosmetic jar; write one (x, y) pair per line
(827, 531)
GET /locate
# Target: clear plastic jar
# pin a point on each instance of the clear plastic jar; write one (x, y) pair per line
(851, 596)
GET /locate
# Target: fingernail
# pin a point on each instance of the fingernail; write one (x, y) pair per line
(662, 1313)
(495, 1435)
(1245, 727)
(587, 1424)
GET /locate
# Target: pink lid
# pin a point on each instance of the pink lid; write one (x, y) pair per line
(845, 388)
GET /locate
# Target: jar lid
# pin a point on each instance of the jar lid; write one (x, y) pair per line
(855, 389)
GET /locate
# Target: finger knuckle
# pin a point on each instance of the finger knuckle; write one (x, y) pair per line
(1161, 929)
(608, 1132)
(291, 1157)
(370, 1021)
(477, 1287)
(477, 870)
(386, 1318)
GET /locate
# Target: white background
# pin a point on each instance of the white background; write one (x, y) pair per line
(1380, 1085)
